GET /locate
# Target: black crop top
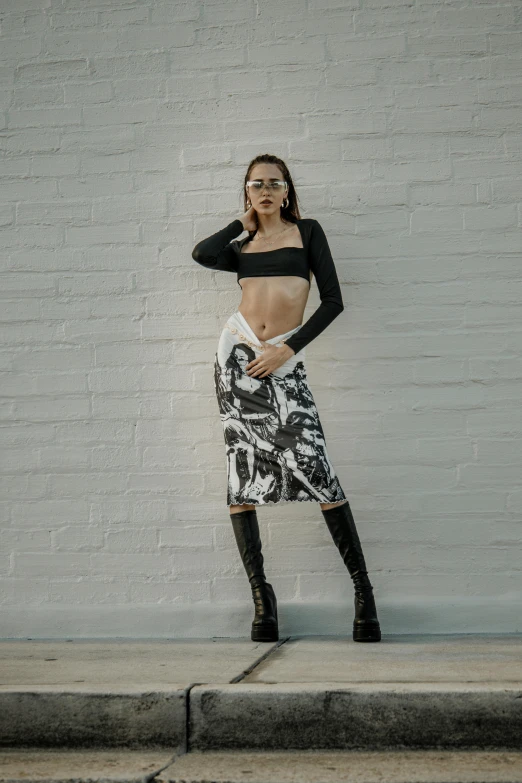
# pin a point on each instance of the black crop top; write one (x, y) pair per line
(269, 263)
(219, 253)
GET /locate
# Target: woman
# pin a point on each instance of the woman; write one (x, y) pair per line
(275, 444)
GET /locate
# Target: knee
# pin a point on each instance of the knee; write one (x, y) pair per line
(244, 507)
(325, 506)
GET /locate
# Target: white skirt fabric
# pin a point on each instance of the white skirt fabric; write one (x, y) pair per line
(275, 444)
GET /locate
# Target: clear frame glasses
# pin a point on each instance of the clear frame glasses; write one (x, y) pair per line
(257, 185)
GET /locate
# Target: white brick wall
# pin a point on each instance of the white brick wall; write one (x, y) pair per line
(126, 131)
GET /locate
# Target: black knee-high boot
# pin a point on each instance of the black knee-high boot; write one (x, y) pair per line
(342, 528)
(246, 531)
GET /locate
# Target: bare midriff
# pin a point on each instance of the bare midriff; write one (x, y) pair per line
(275, 304)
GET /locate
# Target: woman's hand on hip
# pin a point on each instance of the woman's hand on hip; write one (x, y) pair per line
(268, 361)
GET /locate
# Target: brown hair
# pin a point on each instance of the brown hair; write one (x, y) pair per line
(291, 212)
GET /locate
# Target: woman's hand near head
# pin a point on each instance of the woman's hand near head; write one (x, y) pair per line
(248, 219)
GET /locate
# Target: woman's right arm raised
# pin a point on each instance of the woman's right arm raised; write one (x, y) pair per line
(216, 252)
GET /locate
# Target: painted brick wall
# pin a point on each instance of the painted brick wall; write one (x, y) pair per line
(126, 128)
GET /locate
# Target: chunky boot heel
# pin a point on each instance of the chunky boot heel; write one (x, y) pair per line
(264, 625)
(366, 626)
(340, 522)
(246, 530)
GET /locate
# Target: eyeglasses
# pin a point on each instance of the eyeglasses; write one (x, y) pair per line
(258, 184)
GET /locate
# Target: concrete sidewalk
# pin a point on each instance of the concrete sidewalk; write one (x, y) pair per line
(452, 692)
(401, 766)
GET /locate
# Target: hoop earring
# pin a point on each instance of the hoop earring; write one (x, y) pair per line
(284, 206)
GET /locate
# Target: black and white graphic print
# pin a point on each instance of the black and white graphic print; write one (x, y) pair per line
(275, 444)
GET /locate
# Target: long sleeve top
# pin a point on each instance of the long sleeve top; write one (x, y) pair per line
(220, 252)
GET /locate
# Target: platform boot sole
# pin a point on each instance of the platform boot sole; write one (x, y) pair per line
(366, 632)
(265, 632)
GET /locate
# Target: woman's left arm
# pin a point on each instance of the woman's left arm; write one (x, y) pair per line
(332, 305)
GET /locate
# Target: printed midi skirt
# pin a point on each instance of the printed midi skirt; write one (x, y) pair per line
(275, 444)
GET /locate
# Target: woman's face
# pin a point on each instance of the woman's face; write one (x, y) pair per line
(266, 172)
